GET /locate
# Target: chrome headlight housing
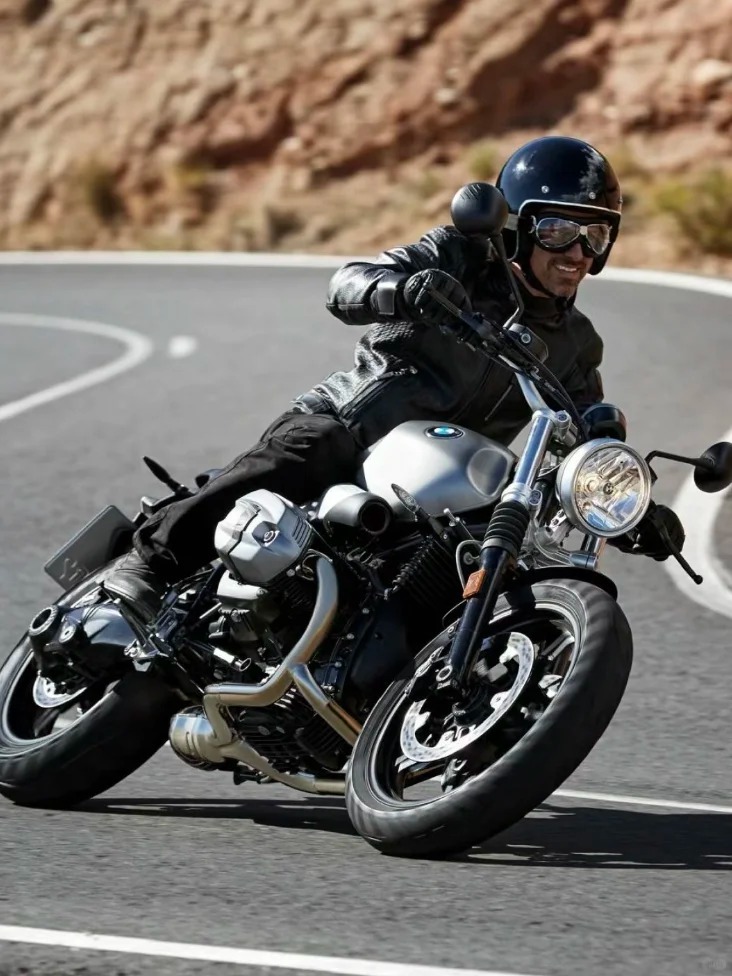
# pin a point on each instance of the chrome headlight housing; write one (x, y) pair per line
(604, 487)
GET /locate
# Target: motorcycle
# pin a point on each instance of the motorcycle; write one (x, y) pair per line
(424, 641)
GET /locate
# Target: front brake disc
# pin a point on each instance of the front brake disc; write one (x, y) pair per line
(415, 727)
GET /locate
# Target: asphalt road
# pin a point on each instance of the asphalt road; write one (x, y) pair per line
(579, 887)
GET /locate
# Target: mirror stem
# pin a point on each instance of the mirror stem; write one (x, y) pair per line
(698, 462)
(497, 242)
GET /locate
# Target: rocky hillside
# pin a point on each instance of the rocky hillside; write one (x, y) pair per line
(300, 123)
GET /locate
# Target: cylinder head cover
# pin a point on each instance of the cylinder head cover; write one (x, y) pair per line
(262, 537)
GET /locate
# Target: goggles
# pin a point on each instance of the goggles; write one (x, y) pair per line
(560, 233)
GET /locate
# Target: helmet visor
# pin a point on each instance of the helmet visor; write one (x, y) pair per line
(560, 233)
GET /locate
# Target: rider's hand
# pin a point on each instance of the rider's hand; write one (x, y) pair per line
(647, 539)
(650, 540)
(419, 306)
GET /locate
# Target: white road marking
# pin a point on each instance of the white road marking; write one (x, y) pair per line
(217, 259)
(643, 801)
(138, 348)
(180, 346)
(241, 957)
(698, 511)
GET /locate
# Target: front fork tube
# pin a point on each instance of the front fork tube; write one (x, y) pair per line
(466, 643)
(501, 546)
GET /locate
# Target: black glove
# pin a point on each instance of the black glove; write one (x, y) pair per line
(417, 305)
(647, 539)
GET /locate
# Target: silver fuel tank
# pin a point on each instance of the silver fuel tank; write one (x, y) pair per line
(441, 465)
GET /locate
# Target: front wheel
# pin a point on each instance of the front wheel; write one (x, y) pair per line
(426, 779)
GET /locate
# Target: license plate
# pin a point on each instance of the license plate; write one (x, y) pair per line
(90, 548)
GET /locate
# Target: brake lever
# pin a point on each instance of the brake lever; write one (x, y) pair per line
(676, 553)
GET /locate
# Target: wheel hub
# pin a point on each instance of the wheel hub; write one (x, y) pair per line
(46, 695)
(415, 727)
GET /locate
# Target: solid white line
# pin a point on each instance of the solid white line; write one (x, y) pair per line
(263, 259)
(241, 957)
(643, 801)
(669, 279)
(219, 259)
(699, 513)
(138, 348)
(180, 346)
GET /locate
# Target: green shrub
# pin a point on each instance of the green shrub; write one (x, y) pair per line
(626, 164)
(99, 188)
(701, 209)
(482, 160)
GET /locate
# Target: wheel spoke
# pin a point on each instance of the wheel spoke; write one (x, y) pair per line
(553, 650)
(45, 721)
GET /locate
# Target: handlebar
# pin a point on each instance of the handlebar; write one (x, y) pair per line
(501, 343)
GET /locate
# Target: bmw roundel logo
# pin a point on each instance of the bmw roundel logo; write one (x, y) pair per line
(444, 432)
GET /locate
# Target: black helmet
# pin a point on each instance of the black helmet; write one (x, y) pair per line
(563, 171)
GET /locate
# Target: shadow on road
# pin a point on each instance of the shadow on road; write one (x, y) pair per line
(595, 837)
(557, 836)
(313, 813)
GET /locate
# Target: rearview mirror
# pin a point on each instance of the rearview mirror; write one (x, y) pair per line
(479, 209)
(715, 471)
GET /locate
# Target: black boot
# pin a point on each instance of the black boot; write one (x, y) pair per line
(135, 583)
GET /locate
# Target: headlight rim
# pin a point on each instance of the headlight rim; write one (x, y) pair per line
(567, 474)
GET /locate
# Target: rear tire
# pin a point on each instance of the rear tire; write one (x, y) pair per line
(113, 739)
(530, 770)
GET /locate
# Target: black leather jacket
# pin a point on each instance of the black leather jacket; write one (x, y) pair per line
(412, 371)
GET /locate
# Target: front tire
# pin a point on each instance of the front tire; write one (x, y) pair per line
(509, 787)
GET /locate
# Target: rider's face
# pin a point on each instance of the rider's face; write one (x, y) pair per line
(560, 273)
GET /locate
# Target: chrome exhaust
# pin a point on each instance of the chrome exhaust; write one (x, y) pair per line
(208, 737)
(271, 690)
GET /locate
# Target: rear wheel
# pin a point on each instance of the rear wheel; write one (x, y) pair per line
(426, 778)
(60, 748)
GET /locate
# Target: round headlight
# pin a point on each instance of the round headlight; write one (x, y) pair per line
(604, 487)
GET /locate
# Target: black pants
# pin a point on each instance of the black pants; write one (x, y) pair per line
(298, 456)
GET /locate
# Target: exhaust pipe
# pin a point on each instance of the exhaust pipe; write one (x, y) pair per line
(269, 691)
(205, 738)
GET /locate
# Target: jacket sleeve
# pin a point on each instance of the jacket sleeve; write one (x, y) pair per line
(584, 383)
(361, 293)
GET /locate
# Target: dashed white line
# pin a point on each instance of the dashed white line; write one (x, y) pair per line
(137, 348)
(180, 346)
(241, 957)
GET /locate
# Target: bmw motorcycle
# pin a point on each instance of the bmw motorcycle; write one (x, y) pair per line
(427, 641)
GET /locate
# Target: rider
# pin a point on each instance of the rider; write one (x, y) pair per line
(564, 204)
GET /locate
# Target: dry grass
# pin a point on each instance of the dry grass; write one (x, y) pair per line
(670, 223)
(483, 160)
(98, 186)
(701, 209)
